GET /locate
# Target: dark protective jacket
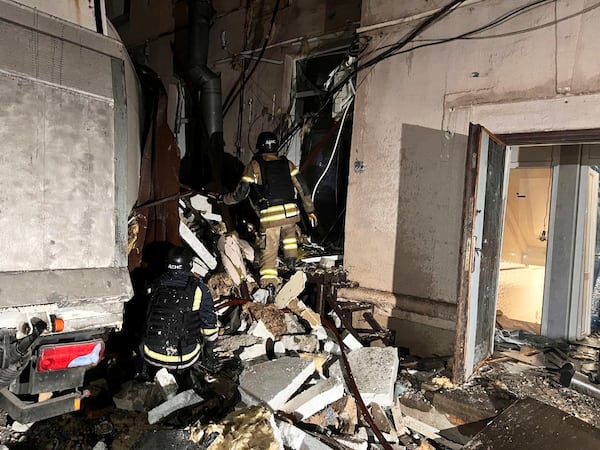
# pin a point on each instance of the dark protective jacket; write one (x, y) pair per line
(272, 183)
(180, 313)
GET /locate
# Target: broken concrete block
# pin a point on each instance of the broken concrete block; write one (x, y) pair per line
(19, 427)
(297, 439)
(261, 296)
(182, 400)
(291, 290)
(231, 343)
(259, 329)
(320, 332)
(375, 371)
(332, 347)
(200, 203)
(315, 398)
(100, 445)
(350, 341)
(293, 324)
(307, 343)
(274, 382)
(252, 352)
(135, 396)
(278, 347)
(166, 382)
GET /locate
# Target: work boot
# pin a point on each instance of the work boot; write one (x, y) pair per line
(271, 289)
(291, 263)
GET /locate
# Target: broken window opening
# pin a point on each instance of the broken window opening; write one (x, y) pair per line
(325, 149)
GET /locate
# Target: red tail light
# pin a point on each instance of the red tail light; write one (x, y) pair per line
(64, 356)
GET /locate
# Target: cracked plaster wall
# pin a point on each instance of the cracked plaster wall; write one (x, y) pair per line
(412, 112)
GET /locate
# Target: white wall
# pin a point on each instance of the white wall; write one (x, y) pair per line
(412, 112)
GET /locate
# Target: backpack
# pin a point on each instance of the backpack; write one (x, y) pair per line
(277, 187)
(172, 333)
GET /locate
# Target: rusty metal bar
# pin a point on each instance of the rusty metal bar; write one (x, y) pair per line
(353, 387)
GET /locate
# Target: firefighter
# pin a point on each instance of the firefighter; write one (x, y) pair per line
(181, 324)
(272, 182)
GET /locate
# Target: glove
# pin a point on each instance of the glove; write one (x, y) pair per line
(218, 198)
(210, 360)
(312, 218)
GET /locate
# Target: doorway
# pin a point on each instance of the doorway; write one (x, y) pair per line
(548, 218)
(524, 248)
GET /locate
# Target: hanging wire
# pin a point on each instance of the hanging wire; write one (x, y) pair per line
(335, 146)
(544, 233)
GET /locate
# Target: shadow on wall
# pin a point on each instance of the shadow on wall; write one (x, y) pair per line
(426, 262)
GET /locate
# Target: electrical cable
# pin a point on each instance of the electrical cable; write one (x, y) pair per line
(413, 34)
(335, 146)
(419, 29)
(238, 141)
(538, 27)
(233, 95)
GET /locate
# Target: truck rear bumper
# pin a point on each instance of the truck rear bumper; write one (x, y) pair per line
(26, 412)
(83, 298)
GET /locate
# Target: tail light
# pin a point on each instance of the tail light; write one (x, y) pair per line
(65, 356)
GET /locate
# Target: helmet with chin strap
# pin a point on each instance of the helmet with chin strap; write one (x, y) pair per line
(267, 142)
(179, 258)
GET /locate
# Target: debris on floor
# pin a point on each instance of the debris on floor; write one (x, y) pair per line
(530, 423)
(311, 371)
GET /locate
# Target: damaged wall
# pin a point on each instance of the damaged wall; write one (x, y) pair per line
(411, 122)
(301, 29)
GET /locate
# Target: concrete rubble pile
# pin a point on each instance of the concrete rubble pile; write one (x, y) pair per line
(288, 373)
(293, 381)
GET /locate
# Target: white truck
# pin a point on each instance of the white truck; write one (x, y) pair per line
(69, 172)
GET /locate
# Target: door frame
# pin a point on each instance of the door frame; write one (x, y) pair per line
(559, 137)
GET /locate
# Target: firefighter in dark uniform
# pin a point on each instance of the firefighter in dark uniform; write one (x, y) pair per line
(181, 324)
(272, 183)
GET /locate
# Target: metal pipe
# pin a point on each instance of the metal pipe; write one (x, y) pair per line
(206, 87)
(577, 381)
(201, 77)
(347, 372)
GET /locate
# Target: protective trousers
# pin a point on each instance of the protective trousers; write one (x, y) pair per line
(270, 247)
